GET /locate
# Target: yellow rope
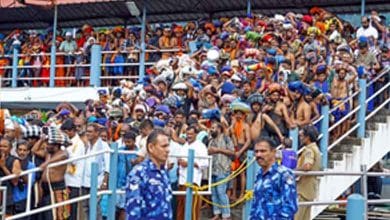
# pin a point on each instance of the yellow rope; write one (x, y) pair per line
(247, 196)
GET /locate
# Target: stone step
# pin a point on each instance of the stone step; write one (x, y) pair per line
(384, 111)
(351, 141)
(335, 156)
(330, 164)
(378, 118)
(343, 148)
(372, 126)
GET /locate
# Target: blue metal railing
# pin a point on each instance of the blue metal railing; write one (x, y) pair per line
(95, 66)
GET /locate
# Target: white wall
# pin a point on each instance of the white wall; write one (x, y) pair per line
(48, 94)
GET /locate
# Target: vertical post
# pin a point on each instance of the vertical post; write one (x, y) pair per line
(53, 49)
(325, 135)
(96, 59)
(362, 111)
(4, 204)
(141, 68)
(15, 61)
(190, 180)
(363, 8)
(248, 9)
(355, 207)
(293, 133)
(93, 192)
(250, 173)
(112, 181)
(364, 189)
(29, 189)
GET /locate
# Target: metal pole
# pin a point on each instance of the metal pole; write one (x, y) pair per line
(294, 136)
(250, 173)
(113, 181)
(362, 111)
(190, 180)
(4, 206)
(364, 189)
(141, 68)
(53, 48)
(363, 8)
(96, 59)
(355, 207)
(325, 135)
(29, 193)
(93, 192)
(15, 60)
(248, 9)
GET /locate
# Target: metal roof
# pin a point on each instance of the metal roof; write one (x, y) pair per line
(109, 13)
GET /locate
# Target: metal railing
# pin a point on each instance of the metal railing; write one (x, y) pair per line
(112, 181)
(359, 110)
(94, 67)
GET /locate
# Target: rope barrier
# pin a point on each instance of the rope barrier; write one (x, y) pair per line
(247, 195)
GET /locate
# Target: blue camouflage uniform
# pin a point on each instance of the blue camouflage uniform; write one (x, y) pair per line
(148, 193)
(275, 195)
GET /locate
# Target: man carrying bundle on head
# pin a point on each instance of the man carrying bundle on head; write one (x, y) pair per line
(53, 181)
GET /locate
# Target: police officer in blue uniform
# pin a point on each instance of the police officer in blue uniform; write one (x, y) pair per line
(148, 190)
(275, 195)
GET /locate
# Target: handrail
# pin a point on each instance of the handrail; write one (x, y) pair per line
(377, 109)
(58, 53)
(339, 173)
(4, 200)
(343, 136)
(386, 70)
(340, 202)
(119, 77)
(377, 93)
(63, 162)
(84, 197)
(344, 101)
(318, 120)
(344, 118)
(127, 64)
(59, 163)
(46, 208)
(77, 65)
(146, 51)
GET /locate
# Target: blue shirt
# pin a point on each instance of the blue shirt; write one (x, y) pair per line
(124, 167)
(275, 195)
(20, 195)
(148, 193)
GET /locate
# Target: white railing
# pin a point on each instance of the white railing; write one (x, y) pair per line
(29, 172)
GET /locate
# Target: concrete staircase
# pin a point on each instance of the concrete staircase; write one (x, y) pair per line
(349, 154)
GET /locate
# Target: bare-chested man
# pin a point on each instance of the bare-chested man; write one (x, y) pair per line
(240, 133)
(260, 119)
(301, 109)
(53, 181)
(277, 110)
(340, 91)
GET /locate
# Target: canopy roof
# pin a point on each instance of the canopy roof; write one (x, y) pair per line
(107, 13)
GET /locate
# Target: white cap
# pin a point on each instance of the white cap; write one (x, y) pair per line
(9, 125)
(180, 86)
(68, 34)
(140, 107)
(236, 78)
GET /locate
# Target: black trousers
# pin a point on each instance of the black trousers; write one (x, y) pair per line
(73, 193)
